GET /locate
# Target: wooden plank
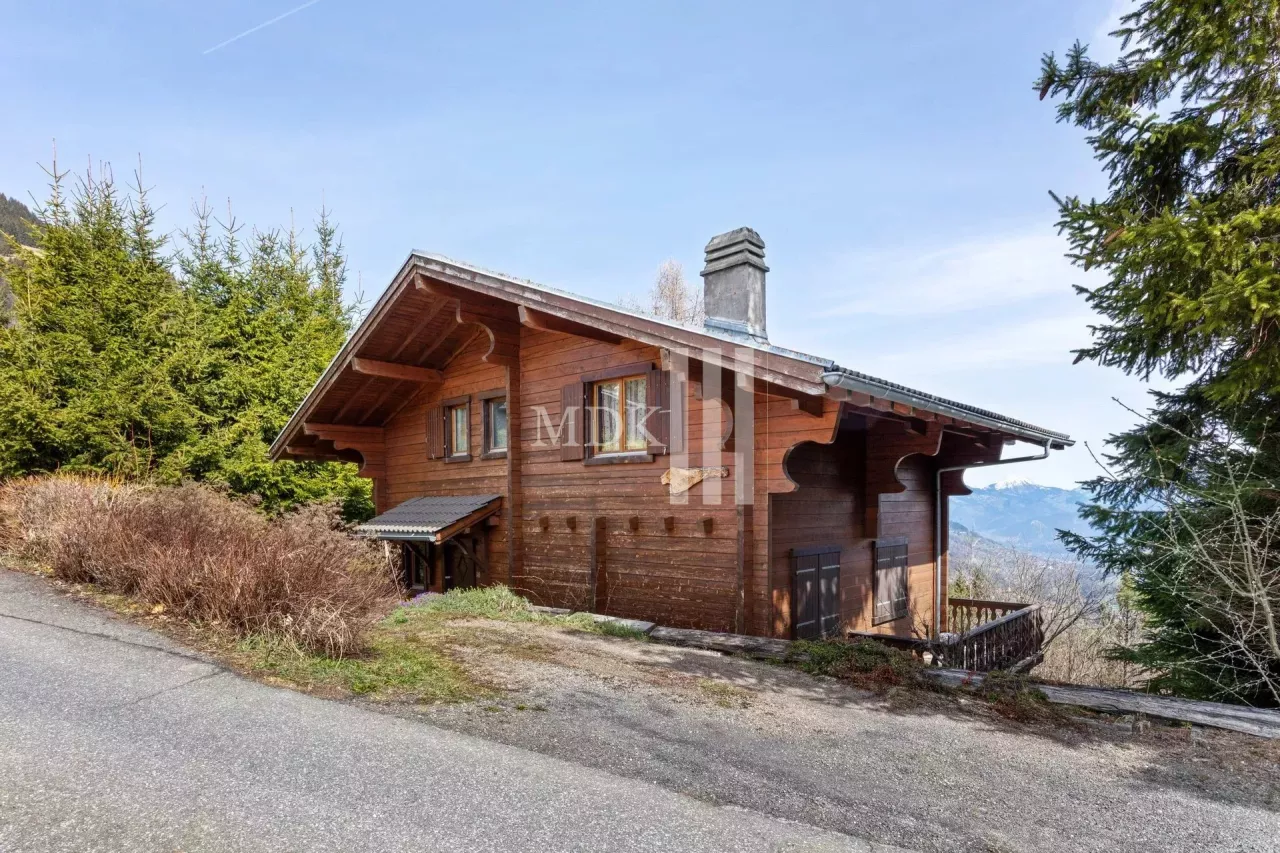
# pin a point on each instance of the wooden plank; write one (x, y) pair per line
(1254, 721)
(392, 370)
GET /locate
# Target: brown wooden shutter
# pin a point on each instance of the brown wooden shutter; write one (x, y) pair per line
(666, 392)
(435, 432)
(571, 418)
(657, 389)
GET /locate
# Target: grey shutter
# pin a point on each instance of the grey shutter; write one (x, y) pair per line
(889, 581)
(829, 592)
(572, 417)
(804, 597)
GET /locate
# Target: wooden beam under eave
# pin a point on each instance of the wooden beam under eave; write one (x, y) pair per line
(534, 319)
(393, 370)
(314, 454)
(346, 436)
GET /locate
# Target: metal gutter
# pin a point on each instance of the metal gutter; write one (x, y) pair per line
(839, 377)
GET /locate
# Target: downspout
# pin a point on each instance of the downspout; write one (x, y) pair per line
(937, 521)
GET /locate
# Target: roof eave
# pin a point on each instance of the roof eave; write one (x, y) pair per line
(841, 378)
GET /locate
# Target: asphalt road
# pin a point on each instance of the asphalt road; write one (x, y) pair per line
(114, 739)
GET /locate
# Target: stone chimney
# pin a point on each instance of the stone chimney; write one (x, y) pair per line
(733, 283)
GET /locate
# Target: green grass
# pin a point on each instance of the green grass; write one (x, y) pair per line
(407, 657)
(395, 667)
(499, 602)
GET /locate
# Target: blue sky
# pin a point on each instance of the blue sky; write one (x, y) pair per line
(893, 156)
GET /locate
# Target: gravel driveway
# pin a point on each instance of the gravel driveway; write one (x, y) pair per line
(938, 778)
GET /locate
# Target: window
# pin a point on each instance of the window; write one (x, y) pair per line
(624, 414)
(618, 415)
(889, 583)
(494, 405)
(457, 429)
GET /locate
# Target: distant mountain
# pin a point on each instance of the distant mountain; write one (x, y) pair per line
(1022, 515)
(14, 219)
(14, 216)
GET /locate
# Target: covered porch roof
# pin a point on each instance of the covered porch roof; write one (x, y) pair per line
(430, 519)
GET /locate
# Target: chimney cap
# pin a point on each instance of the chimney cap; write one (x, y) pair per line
(739, 246)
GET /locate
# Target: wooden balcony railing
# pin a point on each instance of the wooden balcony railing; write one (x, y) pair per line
(964, 614)
(990, 635)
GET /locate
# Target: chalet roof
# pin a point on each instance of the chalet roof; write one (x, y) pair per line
(798, 371)
(429, 518)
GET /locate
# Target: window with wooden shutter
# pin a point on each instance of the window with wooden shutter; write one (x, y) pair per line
(889, 580)
(571, 418)
(815, 595)
(456, 425)
(435, 432)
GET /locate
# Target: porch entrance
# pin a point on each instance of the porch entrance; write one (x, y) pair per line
(456, 563)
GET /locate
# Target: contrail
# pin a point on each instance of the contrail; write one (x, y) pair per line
(263, 25)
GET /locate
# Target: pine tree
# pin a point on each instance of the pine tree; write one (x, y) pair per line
(124, 360)
(94, 374)
(1184, 124)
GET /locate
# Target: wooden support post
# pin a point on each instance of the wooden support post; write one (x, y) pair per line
(597, 576)
(437, 568)
(742, 612)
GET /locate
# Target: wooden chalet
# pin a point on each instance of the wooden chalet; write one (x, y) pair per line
(601, 459)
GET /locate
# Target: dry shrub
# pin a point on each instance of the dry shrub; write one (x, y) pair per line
(202, 555)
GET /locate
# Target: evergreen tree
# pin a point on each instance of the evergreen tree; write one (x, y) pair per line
(122, 360)
(273, 320)
(1184, 123)
(96, 372)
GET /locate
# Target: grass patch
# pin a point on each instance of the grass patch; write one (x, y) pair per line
(724, 694)
(499, 602)
(392, 668)
(1014, 696)
(408, 657)
(865, 663)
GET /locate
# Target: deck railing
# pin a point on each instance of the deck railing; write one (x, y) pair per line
(989, 635)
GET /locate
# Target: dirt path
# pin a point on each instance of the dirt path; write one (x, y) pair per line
(932, 776)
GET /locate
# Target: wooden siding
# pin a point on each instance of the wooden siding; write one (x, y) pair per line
(823, 473)
(686, 576)
(411, 474)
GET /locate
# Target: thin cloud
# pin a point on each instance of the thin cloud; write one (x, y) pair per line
(909, 282)
(1035, 341)
(261, 26)
(1104, 47)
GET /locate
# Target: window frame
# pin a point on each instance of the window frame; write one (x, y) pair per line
(592, 454)
(488, 399)
(447, 407)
